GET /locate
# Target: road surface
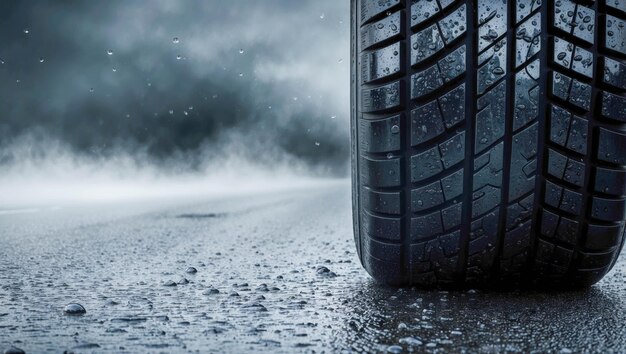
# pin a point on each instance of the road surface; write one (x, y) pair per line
(275, 273)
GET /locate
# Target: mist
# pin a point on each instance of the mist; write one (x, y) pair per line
(106, 100)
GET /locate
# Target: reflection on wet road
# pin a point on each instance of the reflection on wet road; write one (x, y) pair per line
(274, 273)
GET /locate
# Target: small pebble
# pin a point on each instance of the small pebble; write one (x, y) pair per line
(325, 272)
(210, 291)
(13, 350)
(170, 283)
(192, 270)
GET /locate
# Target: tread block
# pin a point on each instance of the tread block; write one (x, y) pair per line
(556, 164)
(426, 164)
(373, 8)
(564, 15)
(380, 173)
(549, 253)
(572, 57)
(431, 40)
(481, 250)
(487, 181)
(445, 3)
(571, 90)
(549, 223)
(437, 192)
(438, 158)
(388, 252)
(617, 5)
(386, 29)
(492, 66)
(426, 123)
(382, 98)
(614, 73)
(526, 95)
(427, 197)
(567, 231)
(492, 22)
(453, 65)
(603, 237)
(516, 241)
(451, 216)
(612, 147)
(422, 10)
(425, 44)
(563, 198)
(608, 209)
(453, 106)
(432, 78)
(566, 169)
(381, 202)
(528, 37)
(381, 63)
(568, 130)
(490, 120)
(452, 150)
(590, 260)
(614, 107)
(610, 181)
(523, 162)
(426, 226)
(515, 250)
(574, 19)
(453, 185)
(387, 228)
(381, 135)
(524, 8)
(439, 255)
(454, 25)
(519, 212)
(615, 35)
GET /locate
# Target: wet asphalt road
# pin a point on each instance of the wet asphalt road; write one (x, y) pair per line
(265, 255)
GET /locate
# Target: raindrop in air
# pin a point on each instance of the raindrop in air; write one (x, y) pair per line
(109, 52)
(114, 69)
(175, 40)
(91, 89)
(26, 31)
(322, 16)
(317, 143)
(178, 57)
(240, 51)
(41, 60)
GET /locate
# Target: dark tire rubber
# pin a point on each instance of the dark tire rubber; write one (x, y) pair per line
(489, 140)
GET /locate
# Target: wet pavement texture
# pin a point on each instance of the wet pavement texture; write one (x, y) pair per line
(264, 273)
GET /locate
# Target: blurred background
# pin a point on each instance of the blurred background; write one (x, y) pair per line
(120, 99)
